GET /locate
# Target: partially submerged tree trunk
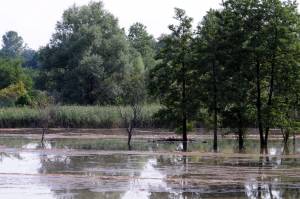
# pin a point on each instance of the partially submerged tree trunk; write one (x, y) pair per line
(241, 138)
(184, 113)
(130, 121)
(240, 131)
(184, 134)
(45, 130)
(215, 108)
(259, 105)
(129, 132)
(215, 131)
(286, 135)
(46, 112)
(269, 104)
(47, 118)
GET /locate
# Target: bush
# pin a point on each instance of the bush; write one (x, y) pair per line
(23, 100)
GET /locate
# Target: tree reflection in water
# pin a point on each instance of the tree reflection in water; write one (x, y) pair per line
(272, 175)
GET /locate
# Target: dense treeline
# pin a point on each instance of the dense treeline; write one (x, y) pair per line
(239, 68)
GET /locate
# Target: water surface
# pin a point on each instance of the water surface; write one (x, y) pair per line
(72, 168)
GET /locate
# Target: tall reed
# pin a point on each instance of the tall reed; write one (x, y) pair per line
(73, 117)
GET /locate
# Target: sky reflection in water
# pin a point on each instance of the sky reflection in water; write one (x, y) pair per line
(27, 172)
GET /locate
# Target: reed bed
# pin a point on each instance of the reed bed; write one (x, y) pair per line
(73, 117)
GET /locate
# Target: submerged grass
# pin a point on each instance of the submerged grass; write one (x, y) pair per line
(73, 117)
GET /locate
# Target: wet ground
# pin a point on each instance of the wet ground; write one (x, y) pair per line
(87, 167)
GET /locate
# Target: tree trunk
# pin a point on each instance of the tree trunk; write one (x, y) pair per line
(241, 140)
(215, 109)
(270, 98)
(129, 132)
(241, 134)
(184, 113)
(215, 131)
(258, 105)
(90, 97)
(129, 140)
(184, 133)
(271, 88)
(43, 135)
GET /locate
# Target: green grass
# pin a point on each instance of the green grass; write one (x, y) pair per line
(73, 117)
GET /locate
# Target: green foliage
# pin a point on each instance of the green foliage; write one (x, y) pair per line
(40, 99)
(13, 45)
(171, 80)
(14, 83)
(30, 58)
(133, 89)
(248, 63)
(11, 72)
(10, 94)
(74, 117)
(13, 48)
(87, 57)
(143, 43)
(269, 56)
(24, 100)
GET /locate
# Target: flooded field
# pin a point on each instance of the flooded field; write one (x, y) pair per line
(90, 168)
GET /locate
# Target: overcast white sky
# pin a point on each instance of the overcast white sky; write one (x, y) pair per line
(35, 20)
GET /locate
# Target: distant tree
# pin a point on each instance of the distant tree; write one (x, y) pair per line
(87, 57)
(12, 46)
(144, 43)
(172, 79)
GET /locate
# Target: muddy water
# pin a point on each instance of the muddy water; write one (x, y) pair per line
(72, 168)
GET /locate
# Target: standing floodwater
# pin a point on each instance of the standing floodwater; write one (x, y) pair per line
(104, 168)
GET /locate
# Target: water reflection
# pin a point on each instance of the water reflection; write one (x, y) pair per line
(150, 179)
(142, 176)
(20, 163)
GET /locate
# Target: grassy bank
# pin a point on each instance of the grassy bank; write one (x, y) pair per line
(73, 117)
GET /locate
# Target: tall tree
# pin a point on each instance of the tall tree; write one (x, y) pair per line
(87, 57)
(265, 37)
(282, 62)
(170, 79)
(237, 113)
(207, 53)
(13, 45)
